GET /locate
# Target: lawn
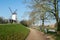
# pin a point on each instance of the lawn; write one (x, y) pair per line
(13, 32)
(58, 37)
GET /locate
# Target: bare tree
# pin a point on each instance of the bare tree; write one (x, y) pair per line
(39, 10)
(50, 6)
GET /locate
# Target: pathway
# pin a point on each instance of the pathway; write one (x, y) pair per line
(36, 35)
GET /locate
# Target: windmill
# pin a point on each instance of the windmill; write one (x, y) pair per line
(13, 16)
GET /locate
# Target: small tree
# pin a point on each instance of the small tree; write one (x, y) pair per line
(1, 20)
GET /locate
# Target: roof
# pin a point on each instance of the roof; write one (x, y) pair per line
(14, 13)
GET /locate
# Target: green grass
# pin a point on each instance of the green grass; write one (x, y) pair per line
(58, 37)
(13, 32)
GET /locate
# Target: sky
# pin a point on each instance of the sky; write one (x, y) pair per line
(15, 4)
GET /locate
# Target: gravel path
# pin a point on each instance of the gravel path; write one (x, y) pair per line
(36, 35)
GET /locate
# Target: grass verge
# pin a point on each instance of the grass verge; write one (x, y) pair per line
(13, 32)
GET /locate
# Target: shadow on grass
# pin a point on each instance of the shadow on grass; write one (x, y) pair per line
(55, 35)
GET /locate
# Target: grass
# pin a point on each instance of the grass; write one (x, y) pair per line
(13, 32)
(58, 37)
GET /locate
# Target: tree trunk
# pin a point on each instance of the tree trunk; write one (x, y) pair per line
(57, 15)
(43, 23)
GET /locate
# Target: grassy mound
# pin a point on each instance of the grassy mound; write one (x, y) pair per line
(13, 32)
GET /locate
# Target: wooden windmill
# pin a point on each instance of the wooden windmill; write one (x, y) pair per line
(13, 16)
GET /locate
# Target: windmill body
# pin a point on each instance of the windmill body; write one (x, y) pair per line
(14, 16)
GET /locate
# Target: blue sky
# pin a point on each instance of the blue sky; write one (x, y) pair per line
(14, 4)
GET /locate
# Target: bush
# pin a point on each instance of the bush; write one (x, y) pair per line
(3, 21)
(23, 22)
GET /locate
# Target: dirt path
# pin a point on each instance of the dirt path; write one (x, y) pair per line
(36, 35)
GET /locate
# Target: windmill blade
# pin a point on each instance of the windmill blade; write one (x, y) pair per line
(15, 11)
(10, 10)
